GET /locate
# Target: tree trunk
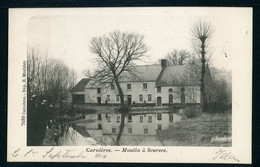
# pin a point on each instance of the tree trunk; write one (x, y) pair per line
(123, 111)
(202, 88)
(121, 128)
(121, 94)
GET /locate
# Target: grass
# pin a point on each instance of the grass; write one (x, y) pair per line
(198, 131)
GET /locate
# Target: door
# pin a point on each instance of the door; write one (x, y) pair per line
(99, 126)
(78, 99)
(99, 100)
(129, 100)
(159, 101)
(170, 98)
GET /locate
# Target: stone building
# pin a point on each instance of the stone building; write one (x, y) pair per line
(154, 85)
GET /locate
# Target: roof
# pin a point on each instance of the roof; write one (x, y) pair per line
(142, 73)
(80, 85)
(176, 75)
(81, 130)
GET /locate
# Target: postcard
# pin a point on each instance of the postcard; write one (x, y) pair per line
(130, 84)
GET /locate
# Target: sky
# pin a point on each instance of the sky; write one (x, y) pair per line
(67, 36)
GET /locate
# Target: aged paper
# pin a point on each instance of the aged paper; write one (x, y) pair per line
(160, 126)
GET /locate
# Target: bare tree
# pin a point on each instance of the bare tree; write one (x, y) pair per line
(48, 77)
(178, 57)
(201, 32)
(116, 54)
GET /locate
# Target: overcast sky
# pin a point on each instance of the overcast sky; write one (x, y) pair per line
(68, 36)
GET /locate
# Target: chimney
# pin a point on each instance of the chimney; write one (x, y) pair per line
(163, 63)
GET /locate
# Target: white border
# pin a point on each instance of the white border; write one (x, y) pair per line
(242, 95)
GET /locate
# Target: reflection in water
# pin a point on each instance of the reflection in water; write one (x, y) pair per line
(140, 128)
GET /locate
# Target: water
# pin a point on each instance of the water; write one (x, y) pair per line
(140, 127)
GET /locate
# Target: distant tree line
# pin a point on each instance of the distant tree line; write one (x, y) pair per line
(179, 57)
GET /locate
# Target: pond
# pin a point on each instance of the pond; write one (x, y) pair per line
(140, 127)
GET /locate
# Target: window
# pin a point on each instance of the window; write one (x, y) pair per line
(141, 119)
(108, 119)
(182, 95)
(118, 118)
(170, 98)
(144, 85)
(108, 98)
(129, 118)
(129, 86)
(140, 97)
(113, 130)
(159, 116)
(182, 98)
(130, 130)
(170, 90)
(170, 118)
(150, 118)
(159, 89)
(98, 90)
(129, 100)
(149, 97)
(159, 127)
(117, 98)
(112, 86)
(145, 130)
(99, 117)
(99, 126)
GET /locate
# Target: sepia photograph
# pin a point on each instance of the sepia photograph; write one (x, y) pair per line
(140, 79)
(118, 81)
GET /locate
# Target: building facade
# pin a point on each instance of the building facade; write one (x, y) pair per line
(154, 85)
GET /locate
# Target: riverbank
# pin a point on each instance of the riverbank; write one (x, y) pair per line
(91, 109)
(204, 130)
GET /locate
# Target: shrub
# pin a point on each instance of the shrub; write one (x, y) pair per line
(217, 107)
(192, 112)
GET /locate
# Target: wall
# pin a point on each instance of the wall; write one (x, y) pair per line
(192, 94)
(136, 89)
(90, 95)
